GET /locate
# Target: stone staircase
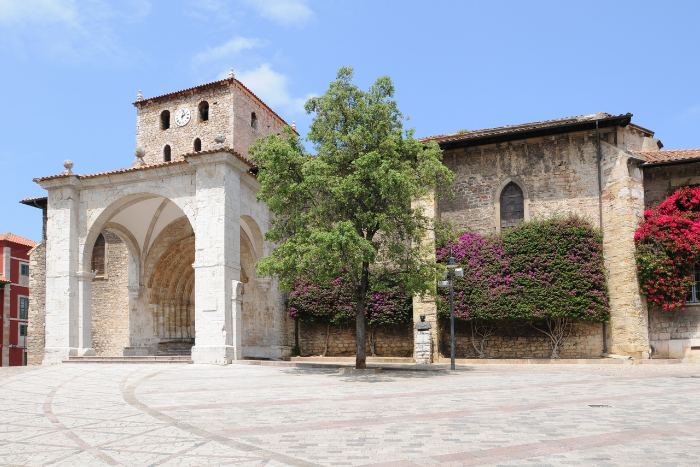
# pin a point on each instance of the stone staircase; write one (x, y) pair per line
(177, 359)
(175, 348)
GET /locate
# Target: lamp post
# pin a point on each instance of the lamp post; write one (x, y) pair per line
(452, 264)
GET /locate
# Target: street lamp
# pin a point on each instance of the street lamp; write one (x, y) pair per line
(452, 265)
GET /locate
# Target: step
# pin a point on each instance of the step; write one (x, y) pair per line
(178, 359)
(351, 359)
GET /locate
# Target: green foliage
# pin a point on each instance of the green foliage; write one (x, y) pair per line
(348, 207)
(543, 269)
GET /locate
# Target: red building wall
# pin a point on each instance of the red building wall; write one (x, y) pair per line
(13, 252)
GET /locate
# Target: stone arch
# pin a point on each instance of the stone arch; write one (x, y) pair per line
(497, 200)
(255, 235)
(115, 206)
(171, 292)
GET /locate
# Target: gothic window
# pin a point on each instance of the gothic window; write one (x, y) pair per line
(98, 256)
(166, 153)
(165, 120)
(197, 145)
(694, 292)
(512, 206)
(203, 111)
(253, 121)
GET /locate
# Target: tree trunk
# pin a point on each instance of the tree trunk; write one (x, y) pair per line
(328, 336)
(361, 358)
(372, 333)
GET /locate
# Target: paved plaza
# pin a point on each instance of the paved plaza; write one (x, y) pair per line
(203, 415)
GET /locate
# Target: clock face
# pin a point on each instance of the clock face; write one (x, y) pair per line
(182, 116)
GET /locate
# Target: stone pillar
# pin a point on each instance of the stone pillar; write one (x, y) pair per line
(62, 250)
(237, 319)
(422, 342)
(217, 258)
(6, 253)
(426, 305)
(85, 313)
(623, 209)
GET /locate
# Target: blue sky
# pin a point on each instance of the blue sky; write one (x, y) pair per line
(72, 68)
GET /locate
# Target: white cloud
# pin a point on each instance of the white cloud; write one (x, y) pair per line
(227, 50)
(285, 12)
(67, 28)
(271, 87)
(19, 12)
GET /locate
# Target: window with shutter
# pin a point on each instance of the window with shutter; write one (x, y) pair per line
(98, 256)
(512, 206)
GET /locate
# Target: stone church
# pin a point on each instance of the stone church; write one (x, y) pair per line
(158, 258)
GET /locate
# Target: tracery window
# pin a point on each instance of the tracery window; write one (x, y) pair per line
(694, 292)
(512, 206)
(98, 256)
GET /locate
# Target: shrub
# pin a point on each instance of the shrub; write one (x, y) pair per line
(667, 243)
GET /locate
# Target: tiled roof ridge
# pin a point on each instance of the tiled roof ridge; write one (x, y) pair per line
(210, 84)
(10, 237)
(518, 126)
(668, 155)
(110, 172)
(147, 166)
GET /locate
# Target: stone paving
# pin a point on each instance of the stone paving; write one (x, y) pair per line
(197, 415)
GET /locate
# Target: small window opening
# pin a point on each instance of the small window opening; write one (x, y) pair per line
(253, 121)
(23, 308)
(165, 120)
(694, 292)
(203, 111)
(197, 145)
(24, 269)
(166, 153)
(98, 256)
(512, 206)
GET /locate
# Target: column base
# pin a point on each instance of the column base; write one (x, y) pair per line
(86, 352)
(215, 354)
(56, 355)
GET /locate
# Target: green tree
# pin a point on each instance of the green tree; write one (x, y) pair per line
(349, 206)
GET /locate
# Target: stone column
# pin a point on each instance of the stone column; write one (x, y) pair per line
(62, 251)
(237, 319)
(217, 258)
(623, 208)
(6, 253)
(426, 305)
(85, 313)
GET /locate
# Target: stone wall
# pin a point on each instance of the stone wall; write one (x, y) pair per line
(181, 139)
(391, 341)
(523, 341)
(110, 300)
(675, 333)
(37, 304)
(659, 180)
(230, 109)
(558, 174)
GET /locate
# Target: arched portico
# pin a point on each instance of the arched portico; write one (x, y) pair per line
(177, 279)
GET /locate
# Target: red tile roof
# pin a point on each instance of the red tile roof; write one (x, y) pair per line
(111, 172)
(201, 86)
(3, 280)
(10, 237)
(149, 166)
(668, 155)
(29, 200)
(519, 127)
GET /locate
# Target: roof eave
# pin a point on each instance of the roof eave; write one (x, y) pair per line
(621, 120)
(676, 162)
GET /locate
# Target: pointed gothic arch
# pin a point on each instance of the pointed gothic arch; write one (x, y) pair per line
(517, 199)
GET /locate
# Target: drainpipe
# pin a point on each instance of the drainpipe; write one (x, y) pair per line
(600, 213)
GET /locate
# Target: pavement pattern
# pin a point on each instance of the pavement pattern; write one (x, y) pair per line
(238, 415)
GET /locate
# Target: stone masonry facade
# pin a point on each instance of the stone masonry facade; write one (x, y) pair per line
(231, 106)
(110, 300)
(390, 341)
(522, 341)
(37, 304)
